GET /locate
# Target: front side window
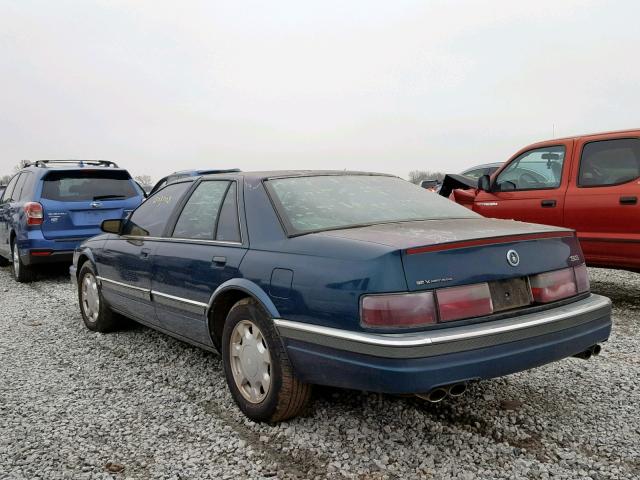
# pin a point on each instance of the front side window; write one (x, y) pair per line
(609, 162)
(533, 170)
(150, 218)
(328, 202)
(87, 185)
(200, 214)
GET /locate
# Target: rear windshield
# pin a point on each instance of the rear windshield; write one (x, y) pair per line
(308, 204)
(83, 185)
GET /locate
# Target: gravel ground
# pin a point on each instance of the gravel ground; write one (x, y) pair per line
(77, 404)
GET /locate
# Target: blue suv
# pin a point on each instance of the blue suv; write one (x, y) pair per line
(50, 206)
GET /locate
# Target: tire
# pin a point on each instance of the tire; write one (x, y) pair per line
(96, 314)
(21, 272)
(246, 362)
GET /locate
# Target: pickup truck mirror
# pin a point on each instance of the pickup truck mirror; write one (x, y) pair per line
(111, 226)
(484, 183)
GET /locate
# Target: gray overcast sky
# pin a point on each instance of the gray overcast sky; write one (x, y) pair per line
(369, 85)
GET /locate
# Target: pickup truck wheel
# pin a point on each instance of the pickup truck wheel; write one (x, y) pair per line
(21, 273)
(96, 314)
(257, 367)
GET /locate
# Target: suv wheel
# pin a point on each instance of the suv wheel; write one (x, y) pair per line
(21, 273)
(96, 313)
(257, 367)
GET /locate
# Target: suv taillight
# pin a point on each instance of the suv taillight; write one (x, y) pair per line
(34, 213)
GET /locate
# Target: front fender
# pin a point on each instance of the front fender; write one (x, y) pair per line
(248, 287)
(83, 252)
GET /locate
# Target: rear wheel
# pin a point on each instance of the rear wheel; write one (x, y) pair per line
(96, 313)
(257, 367)
(21, 272)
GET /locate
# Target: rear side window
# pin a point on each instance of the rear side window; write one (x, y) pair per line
(609, 162)
(150, 218)
(200, 215)
(228, 223)
(6, 196)
(27, 186)
(88, 185)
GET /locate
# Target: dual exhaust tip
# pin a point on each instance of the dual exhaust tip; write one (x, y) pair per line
(440, 393)
(592, 351)
(458, 389)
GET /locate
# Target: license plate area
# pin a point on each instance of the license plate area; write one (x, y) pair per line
(511, 293)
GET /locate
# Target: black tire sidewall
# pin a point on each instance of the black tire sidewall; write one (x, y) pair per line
(25, 273)
(264, 410)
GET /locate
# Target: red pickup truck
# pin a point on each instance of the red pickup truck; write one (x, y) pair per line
(590, 183)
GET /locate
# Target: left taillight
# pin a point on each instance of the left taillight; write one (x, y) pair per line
(34, 213)
(426, 308)
(551, 286)
(398, 310)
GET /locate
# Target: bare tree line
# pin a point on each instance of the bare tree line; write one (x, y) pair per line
(417, 176)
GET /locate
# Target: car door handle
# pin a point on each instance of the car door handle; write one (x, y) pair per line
(219, 261)
(628, 200)
(548, 203)
(145, 252)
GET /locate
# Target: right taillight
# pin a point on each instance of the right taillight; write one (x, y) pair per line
(34, 213)
(551, 286)
(582, 278)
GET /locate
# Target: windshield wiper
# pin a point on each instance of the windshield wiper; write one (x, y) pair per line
(105, 197)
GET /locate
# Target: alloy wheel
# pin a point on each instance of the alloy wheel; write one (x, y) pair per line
(250, 361)
(90, 297)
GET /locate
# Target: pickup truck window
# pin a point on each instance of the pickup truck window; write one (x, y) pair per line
(609, 162)
(533, 170)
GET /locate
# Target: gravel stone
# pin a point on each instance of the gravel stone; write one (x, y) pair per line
(73, 402)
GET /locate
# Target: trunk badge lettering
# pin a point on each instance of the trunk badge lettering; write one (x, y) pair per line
(435, 280)
(513, 258)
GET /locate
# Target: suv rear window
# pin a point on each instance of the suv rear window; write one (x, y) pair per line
(86, 185)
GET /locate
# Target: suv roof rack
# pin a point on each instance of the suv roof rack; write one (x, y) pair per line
(81, 163)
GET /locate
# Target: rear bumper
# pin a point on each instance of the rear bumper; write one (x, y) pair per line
(37, 250)
(419, 362)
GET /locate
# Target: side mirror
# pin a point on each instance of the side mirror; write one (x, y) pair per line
(111, 226)
(484, 183)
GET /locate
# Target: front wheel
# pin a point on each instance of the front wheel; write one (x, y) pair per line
(257, 367)
(96, 313)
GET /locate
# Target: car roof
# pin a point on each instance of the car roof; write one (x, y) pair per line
(207, 171)
(631, 131)
(484, 165)
(268, 175)
(45, 166)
